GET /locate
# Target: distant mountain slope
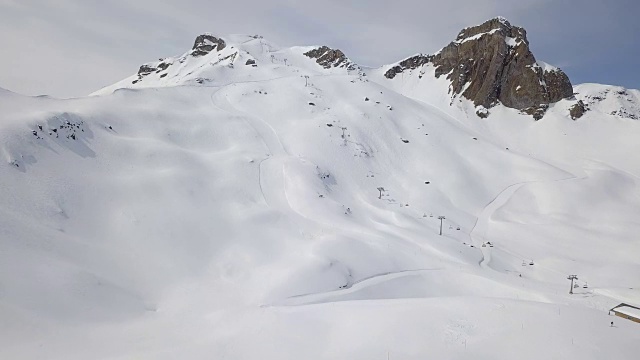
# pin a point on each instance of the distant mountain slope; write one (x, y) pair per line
(216, 61)
(610, 100)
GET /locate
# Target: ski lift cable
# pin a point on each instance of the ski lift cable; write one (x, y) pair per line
(516, 255)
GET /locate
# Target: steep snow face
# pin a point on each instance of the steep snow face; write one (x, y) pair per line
(215, 61)
(419, 83)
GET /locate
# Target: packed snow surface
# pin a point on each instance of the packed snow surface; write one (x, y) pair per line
(288, 211)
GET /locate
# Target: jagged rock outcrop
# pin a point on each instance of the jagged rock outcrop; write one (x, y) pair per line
(148, 69)
(330, 58)
(492, 63)
(577, 110)
(203, 45)
(411, 63)
(206, 43)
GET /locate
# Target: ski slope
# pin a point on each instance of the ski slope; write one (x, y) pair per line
(238, 217)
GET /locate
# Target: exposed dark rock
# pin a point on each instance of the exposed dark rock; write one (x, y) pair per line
(482, 112)
(163, 66)
(577, 110)
(206, 43)
(536, 111)
(328, 58)
(558, 85)
(492, 63)
(408, 64)
(146, 70)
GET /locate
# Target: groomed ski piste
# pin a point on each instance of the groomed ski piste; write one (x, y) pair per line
(230, 211)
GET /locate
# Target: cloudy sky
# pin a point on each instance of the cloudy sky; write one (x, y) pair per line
(70, 48)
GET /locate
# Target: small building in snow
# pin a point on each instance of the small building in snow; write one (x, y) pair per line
(627, 311)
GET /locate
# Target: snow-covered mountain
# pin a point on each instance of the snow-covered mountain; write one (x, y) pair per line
(247, 201)
(236, 58)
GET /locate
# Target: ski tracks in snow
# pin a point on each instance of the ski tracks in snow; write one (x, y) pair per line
(478, 233)
(271, 169)
(324, 297)
(482, 221)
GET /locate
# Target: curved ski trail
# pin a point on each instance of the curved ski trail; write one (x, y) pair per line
(482, 223)
(271, 168)
(326, 296)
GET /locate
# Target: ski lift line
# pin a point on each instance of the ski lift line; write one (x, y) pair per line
(524, 257)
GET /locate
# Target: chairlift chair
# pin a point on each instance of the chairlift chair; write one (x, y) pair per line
(585, 286)
(531, 263)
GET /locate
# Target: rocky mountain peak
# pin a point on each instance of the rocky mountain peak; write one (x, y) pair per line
(495, 25)
(206, 43)
(328, 58)
(490, 64)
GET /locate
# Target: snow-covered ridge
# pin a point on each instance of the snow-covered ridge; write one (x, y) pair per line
(546, 67)
(610, 100)
(221, 60)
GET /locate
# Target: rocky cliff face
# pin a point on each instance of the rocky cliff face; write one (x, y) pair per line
(492, 63)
